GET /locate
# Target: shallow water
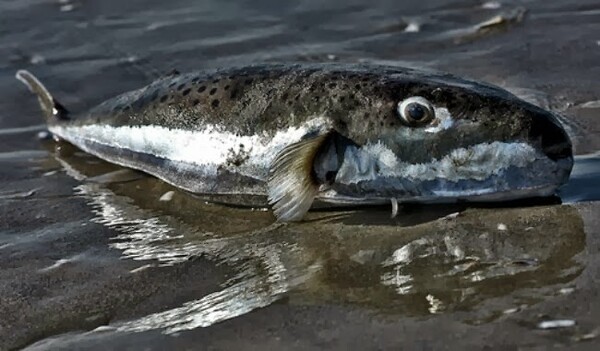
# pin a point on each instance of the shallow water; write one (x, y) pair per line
(91, 257)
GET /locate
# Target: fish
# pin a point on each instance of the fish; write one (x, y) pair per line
(345, 134)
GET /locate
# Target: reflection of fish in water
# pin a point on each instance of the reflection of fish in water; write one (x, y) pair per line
(392, 267)
(339, 133)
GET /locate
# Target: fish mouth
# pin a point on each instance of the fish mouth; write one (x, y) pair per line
(480, 196)
(491, 172)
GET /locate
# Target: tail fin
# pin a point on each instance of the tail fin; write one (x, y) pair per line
(53, 110)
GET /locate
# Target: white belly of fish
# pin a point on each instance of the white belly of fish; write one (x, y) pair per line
(209, 148)
(208, 160)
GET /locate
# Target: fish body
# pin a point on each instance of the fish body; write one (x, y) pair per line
(354, 134)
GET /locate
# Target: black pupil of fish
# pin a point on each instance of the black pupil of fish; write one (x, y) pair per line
(416, 111)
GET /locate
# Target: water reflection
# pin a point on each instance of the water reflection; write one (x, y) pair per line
(481, 261)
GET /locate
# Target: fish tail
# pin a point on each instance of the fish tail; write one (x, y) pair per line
(53, 111)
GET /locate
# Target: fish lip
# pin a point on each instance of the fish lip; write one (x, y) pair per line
(539, 179)
(492, 196)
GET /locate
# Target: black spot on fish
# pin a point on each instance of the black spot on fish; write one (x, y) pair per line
(215, 103)
(226, 87)
(237, 157)
(357, 87)
(342, 98)
(248, 81)
(186, 91)
(284, 96)
(201, 89)
(172, 84)
(215, 81)
(234, 94)
(381, 124)
(196, 102)
(164, 98)
(195, 80)
(213, 91)
(181, 86)
(367, 116)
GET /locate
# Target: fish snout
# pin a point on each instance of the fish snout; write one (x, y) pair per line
(553, 140)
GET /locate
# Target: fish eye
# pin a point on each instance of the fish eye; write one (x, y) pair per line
(416, 111)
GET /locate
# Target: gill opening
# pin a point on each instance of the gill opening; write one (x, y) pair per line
(330, 158)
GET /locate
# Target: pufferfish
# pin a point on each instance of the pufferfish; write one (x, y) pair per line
(336, 133)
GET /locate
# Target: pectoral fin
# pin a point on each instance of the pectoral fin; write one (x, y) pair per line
(292, 185)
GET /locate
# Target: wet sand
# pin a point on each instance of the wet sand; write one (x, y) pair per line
(90, 258)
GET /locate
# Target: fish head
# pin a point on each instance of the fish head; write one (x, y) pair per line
(437, 138)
